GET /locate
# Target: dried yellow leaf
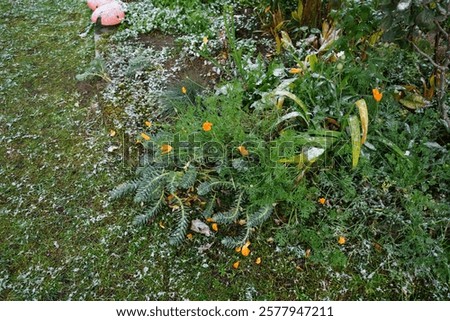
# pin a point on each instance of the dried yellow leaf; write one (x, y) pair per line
(364, 117)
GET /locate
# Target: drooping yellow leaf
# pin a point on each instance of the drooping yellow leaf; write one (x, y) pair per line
(364, 117)
(375, 37)
(355, 133)
(313, 61)
(286, 40)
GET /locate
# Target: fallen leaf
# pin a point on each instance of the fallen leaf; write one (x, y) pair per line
(112, 148)
(414, 101)
(242, 222)
(204, 247)
(200, 227)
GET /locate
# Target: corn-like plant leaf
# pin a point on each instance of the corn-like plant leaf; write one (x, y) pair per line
(313, 61)
(355, 133)
(391, 145)
(297, 100)
(364, 117)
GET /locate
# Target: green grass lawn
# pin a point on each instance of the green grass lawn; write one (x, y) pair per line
(61, 238)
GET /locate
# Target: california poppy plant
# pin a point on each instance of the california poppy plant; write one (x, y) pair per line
(377, 95)
(207, 126)
(184, 90)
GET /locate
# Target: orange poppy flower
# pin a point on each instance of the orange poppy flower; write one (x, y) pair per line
(377, 95)
(295, 70)
(148, 123)
(238, 249)
(258, 261)
(215, 227)
(190, 236)
(341, 240)
(322, 200)
(183, 90)
(236, 264)
(207, 126)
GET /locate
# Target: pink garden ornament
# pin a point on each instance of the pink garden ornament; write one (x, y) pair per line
(94, 4)
(110, 14)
